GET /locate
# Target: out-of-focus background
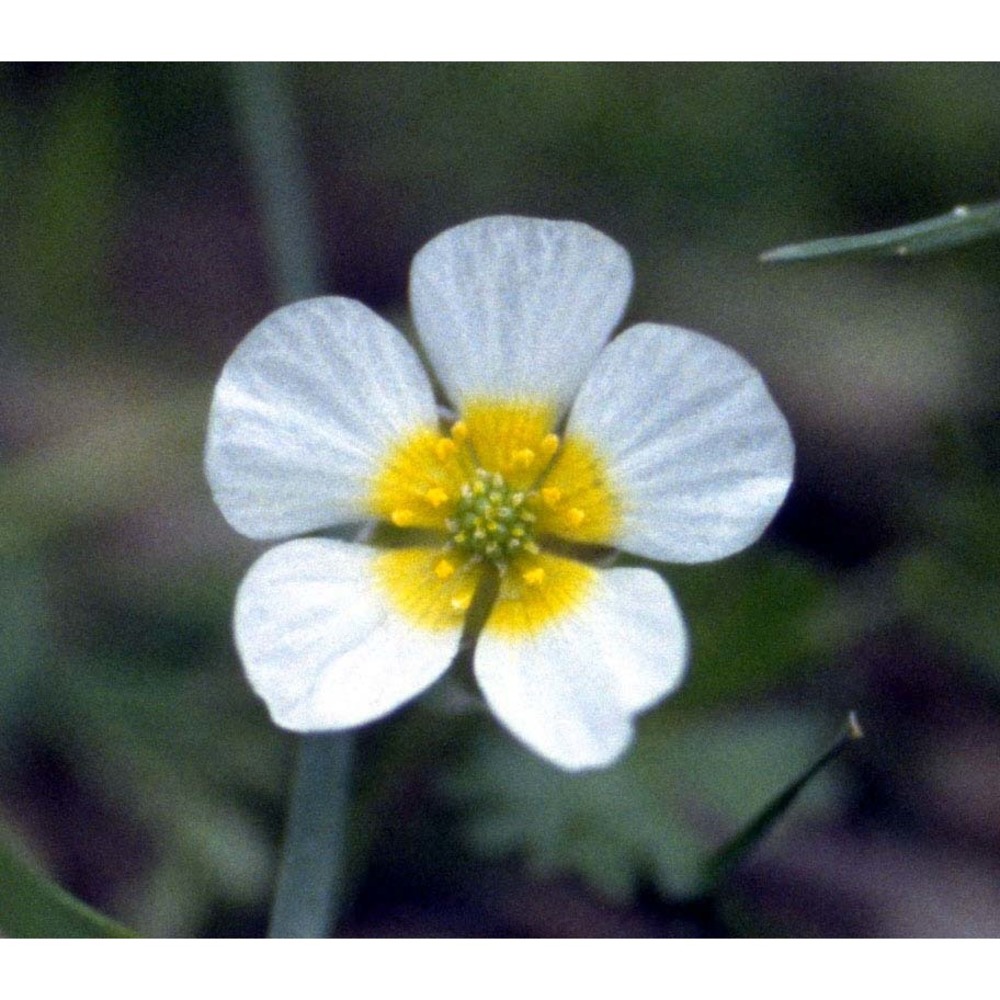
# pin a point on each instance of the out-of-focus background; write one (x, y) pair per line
(135, 765)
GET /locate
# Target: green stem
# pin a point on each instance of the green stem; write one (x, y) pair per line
(264, 116)
(725, 860)
(310, 878)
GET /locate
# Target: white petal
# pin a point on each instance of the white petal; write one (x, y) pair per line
(303, 412)
(320, 643)
(693, 442)
(509, 307)
(570, 691)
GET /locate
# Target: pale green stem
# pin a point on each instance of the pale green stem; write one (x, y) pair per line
(265, 120)
(310, 885)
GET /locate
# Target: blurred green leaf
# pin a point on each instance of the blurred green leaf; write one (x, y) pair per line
(32, 905)
(962, 224)
(64, 190)
(655, 817)
(186, 755)
(25, 638)
(951, 583)
(755, 620)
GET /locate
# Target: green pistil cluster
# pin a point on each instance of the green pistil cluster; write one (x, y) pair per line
(492, 520)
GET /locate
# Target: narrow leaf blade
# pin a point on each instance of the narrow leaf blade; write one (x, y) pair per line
(729, 856)
(33, 906)
(963, 224)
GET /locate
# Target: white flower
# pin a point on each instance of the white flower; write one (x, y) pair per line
(662, 443)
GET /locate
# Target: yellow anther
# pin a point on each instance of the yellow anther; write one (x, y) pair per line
(460, 431)
(461, 602)
(436, 496)
(444, 448)
(549, 445)
(402, 517)
(444, 569)
(575, 517)
(534, 576)
(523, 457)
(551, 495)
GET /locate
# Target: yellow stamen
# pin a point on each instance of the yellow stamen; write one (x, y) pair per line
(444, 448)
(436, 496)
(549, 445)
(444, 569)
(588, 509)
(461, 602)
(505, 437)
(538, 593)
(402, 517)
(410, 580)
(460, 431)
(551, 495)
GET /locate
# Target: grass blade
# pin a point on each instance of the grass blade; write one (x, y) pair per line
(729, 856)
(963, 224)
(33, 906)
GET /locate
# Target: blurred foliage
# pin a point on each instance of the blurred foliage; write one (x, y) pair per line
(950, 580)
(185, 758)
(132, 266)
(61, 178)
(690, 783)
(104, 468)
(757, 621)
(25, 640)
(34, 907)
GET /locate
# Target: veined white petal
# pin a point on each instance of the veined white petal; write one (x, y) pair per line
(570, 690)
(511, 308)
(305, 408)
(693, 442)
(320, 643)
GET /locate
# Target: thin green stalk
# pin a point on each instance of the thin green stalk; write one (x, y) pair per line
(264, 116)
(310, 885)
(725, 860)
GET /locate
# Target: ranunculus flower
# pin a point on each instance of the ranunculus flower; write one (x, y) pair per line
(560, 447)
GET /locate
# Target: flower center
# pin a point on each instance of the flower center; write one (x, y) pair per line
(492, 520)
(490, 493)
